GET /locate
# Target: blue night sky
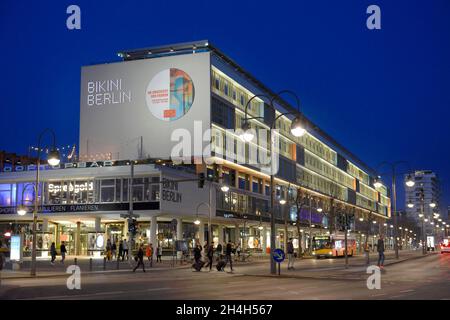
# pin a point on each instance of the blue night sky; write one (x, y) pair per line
(384, 94)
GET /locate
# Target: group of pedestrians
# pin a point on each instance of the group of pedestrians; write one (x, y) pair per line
(149, 253)
(53, 252)
(208, 252)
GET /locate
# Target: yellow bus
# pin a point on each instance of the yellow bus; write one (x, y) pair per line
(333, 245)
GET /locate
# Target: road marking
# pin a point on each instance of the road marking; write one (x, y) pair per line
(409, 290)
(157, 289)
(379, 295)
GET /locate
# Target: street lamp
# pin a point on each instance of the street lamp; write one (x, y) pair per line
(409, 181)
(377, 184)
(393, 166)
(53, 160)
(297, 129)
(432, 204)
(22, 209)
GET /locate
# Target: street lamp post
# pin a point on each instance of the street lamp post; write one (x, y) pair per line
(409, 183)
(297, 130)
(53, 159)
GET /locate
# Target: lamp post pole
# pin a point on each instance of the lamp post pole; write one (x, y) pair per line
(296, 130)
(422, 211)
(55, 156)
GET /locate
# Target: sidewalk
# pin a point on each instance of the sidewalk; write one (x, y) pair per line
(45, 269)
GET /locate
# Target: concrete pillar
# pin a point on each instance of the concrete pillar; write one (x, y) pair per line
(220, 235)
(78, 239)
(98, 227)
(237, 235)
(44, 225)
(179, 235)
(201, 233)
(153, 235)
(263, 240)
(57, 234)
(125, 229)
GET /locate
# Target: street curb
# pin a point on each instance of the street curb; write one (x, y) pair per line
(87, 273)
(327, 277)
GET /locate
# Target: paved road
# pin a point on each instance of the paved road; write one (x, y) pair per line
(424, 278)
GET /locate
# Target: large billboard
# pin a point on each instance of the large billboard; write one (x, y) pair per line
(131, 109)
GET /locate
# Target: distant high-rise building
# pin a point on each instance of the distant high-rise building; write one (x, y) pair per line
(429, 182)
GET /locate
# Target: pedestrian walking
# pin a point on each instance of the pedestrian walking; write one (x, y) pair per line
(125, 249)
(140, 259)
(114, 250)
(149, 254)
(228, 252)
(380, 249)
(158, 253)
(238, 251)
(210, 255)
(197, 253)
(108, 249)
(63, 251)
(120, 250)
(290, 252)
(219, 251)
(53, 252)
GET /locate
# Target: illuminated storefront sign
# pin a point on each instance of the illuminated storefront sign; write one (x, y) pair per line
(71, 187)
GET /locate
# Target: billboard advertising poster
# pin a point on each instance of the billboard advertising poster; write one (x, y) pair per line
(16, 248)
(131, 109)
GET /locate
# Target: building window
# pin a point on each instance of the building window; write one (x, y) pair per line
(107, 190)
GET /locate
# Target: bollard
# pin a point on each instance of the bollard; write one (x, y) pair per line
(104, 263)
(90, 264)
(118, 264)
(75, 261)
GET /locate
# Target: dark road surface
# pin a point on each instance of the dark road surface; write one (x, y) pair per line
(424, 278)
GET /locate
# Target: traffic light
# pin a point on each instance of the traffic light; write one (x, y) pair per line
(132, 228)
(201, 180)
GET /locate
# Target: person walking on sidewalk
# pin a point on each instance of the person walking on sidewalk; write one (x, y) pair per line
(113, 249)
(290, 252)
(219, 251)
(53, 252)
(63, 252)
(140, 259)
(120, 250)
(210, 255)
(158, 253)
(149, 254)
(197, 253)
(380, 249)
(125, 249)
(228, 252)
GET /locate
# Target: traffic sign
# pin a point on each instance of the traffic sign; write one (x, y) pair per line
(278, 255)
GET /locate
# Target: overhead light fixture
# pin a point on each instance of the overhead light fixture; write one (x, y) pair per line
(282, 201)
(197, 222)
(410, 204)
(225, 188)
(297, 129)
(361, 219)
(247, 134)
(377, 183)
(21, 211)
(53, 158)
(409, 181)
(432, 204)
(319, 209)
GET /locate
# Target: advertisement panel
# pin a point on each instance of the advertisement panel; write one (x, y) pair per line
(130, 109)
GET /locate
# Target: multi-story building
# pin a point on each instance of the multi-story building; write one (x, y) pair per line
(150, 110)
(429, 182)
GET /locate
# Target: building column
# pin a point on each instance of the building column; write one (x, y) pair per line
(153, 228)
(98, 226)
(237, 235)
(44, 225)
(57, 238)
(78, 239)
(263, 240)
(201, 233)
(179, 235)
(220, 235)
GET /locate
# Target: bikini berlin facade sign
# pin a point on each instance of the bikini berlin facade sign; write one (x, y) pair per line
(130, 109)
